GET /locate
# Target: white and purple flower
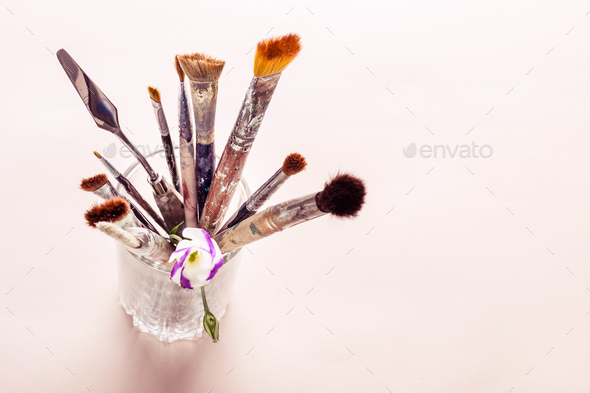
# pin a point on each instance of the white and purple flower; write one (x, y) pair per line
(198, 259)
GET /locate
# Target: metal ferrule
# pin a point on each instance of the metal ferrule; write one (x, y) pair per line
(107, 191)
(272, 220)
(128, 221)
(252, 112)
(263, 194)
(153, 246)
(258, 199)
(159, 185)
(204, 95)
(160, 117)
(171, 206)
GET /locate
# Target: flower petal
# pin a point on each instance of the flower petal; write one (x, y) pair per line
(215, 269)
(175, 268)
(184, 282)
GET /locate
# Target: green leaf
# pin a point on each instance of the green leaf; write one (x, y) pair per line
(173, 231)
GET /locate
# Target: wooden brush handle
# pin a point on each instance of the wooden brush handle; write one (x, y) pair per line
(267, 222)
(222, 189)
(189, 182)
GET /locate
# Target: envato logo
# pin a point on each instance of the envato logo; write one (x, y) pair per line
(462, 151)
(111, 150)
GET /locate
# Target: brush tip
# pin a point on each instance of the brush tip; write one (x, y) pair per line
(111, 210)
(273, 55)
(343, 196)
(199, 67)
(179, 70)
(154, 94)
(97, 154)
(293, 164)
(94, 183)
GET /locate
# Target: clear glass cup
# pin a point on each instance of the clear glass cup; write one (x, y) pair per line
(158, 305)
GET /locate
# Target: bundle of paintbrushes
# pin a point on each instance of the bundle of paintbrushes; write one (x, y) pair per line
(187, 230)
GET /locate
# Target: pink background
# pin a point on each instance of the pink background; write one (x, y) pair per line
(460, 274)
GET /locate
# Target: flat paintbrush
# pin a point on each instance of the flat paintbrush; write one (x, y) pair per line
(293, 164)
(203, 72)
(101, 186)
(187, 154)
(343, 196)
(140, 241)
(105, 115)
(132, 191)
(271, 58)
(165, 135)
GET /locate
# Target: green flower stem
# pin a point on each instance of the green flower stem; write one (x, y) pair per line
(204, 300)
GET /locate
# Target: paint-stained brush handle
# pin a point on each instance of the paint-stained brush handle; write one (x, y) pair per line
(204, 170)
(269, 221)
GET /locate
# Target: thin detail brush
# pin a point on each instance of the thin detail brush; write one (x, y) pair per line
(101, 186)
(165, 135)
(132, 191)
(293, 164)
(203, 73)
(187, 154)
(272, 57)
(343, 196)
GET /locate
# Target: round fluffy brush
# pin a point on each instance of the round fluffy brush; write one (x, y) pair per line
(343, 196)
(293, 164)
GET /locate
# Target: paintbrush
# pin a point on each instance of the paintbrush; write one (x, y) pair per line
(203, 72)
(165, 135)
(140, 241)
(101, 186)
(272, 57)
(187, 154)
(132, 191)
(106, 117)
(343, 196)
(293, 164)
(115, 210)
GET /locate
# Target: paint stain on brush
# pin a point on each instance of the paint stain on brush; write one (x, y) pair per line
(255, 231)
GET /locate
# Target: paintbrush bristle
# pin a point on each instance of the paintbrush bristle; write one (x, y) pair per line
(179, 70)
(94, 183)
(343, 196)
(293, 164)
(111, 210)
(97, 154)
(273, 55)
(199, 67)
(154, 94)
(118, 233)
